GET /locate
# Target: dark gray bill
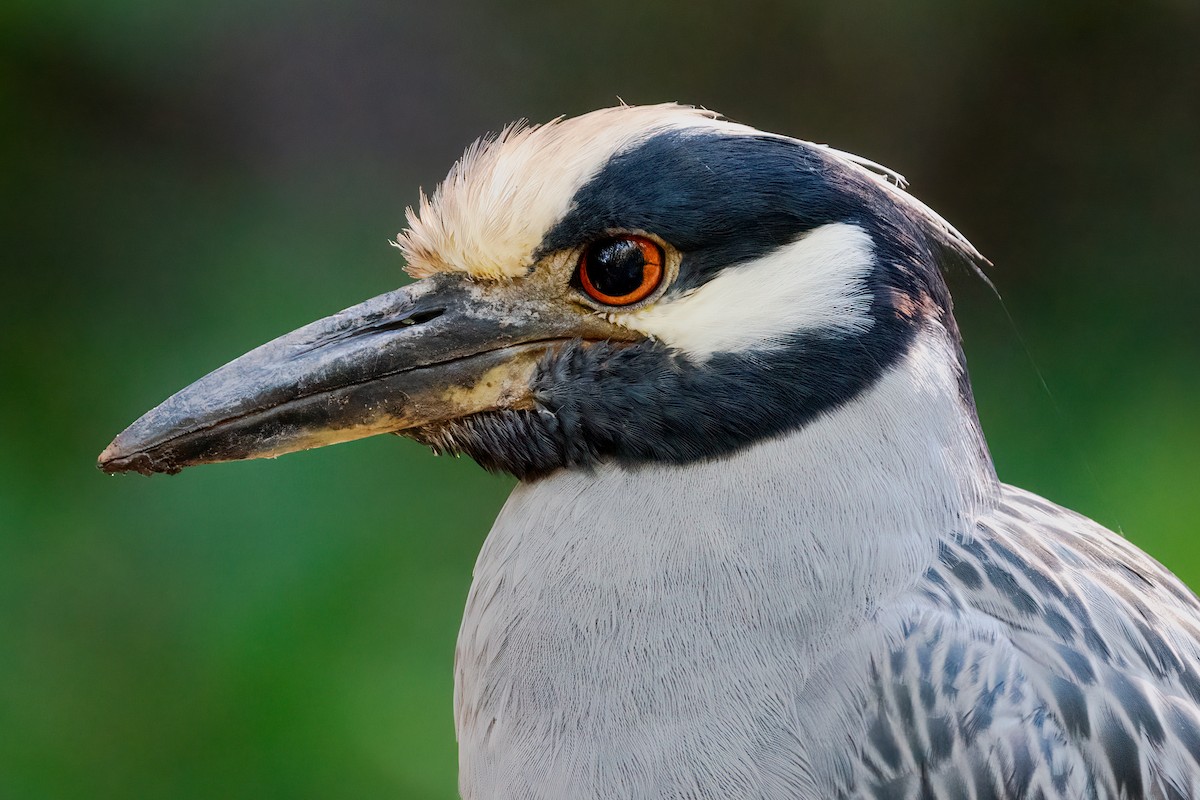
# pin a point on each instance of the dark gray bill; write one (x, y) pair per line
(437, 350)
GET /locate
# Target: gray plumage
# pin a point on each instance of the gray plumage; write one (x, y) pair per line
(786, 624)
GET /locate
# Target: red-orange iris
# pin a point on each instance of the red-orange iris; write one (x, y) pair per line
(621, 270)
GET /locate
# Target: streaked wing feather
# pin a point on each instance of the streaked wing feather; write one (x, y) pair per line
(1046, 658)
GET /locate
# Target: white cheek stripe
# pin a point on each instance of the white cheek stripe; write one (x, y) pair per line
(815, 283)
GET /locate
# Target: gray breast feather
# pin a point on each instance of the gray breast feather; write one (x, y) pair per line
(1046, 657)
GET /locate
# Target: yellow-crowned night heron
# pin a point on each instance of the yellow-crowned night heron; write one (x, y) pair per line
(758, 549)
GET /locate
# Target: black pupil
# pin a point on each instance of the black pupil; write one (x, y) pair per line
(616, 267)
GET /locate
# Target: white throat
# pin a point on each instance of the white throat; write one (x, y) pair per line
(617, 612)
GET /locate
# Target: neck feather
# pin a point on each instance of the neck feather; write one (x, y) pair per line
(831, 520)
(609, 596)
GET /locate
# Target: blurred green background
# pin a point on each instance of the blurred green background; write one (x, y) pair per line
(182, 181)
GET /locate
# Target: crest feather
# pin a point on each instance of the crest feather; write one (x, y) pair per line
(491, 211)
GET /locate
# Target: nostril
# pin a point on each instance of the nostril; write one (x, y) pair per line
(412, 320)
(421, 317)
(383, 326)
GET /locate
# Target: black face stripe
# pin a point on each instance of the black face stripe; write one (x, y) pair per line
(646, 403)
(721, 200)
(724, 199)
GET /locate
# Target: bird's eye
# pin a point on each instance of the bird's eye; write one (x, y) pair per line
(621, 270)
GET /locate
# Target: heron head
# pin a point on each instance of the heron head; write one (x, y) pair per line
(635, 284)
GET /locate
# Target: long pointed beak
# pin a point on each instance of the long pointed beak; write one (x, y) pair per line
(436, 350)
